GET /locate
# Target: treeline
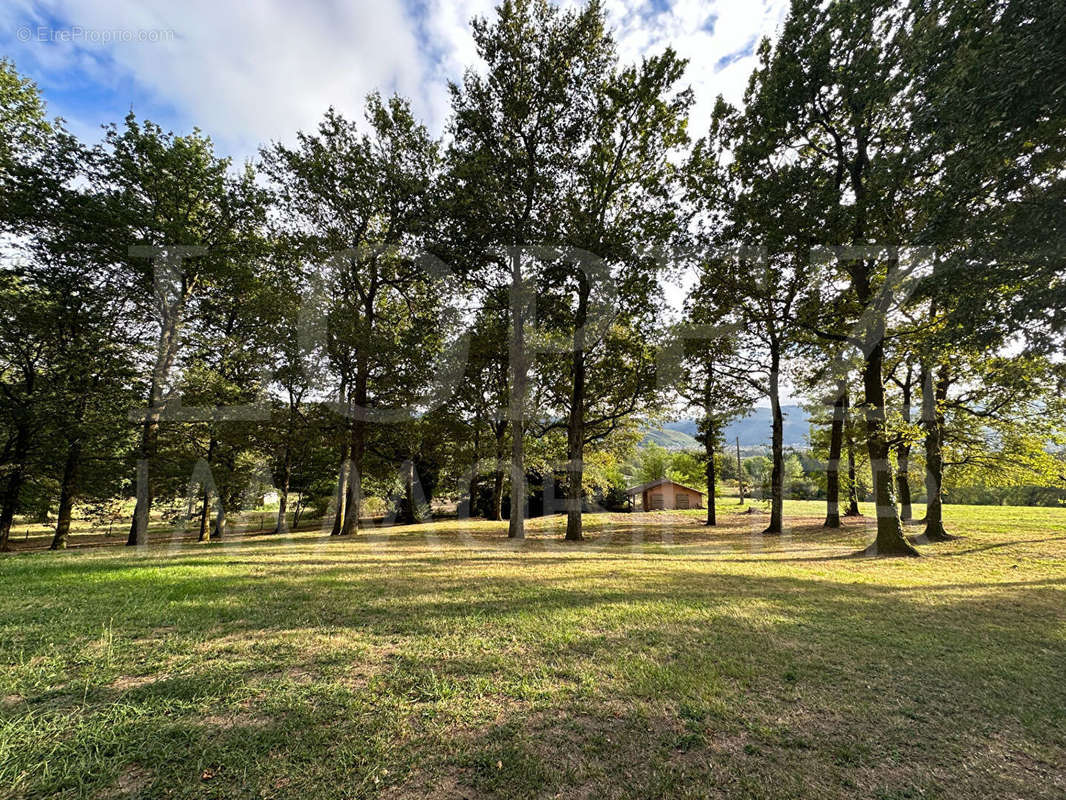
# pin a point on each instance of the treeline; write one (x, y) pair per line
(805, 479)
(370, 311)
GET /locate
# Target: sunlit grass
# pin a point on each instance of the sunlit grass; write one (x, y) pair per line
(656, 659)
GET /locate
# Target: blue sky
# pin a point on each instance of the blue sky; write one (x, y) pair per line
(250, 72)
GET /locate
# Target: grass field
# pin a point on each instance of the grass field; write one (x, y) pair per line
(656, 660)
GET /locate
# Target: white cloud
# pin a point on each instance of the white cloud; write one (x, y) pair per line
(244, 73)
(445, 32)
(250, 73)
(704, 33)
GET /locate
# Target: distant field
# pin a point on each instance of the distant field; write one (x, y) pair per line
(659, 659)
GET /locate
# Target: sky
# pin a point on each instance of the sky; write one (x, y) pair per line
(247, 73)
(252, 72)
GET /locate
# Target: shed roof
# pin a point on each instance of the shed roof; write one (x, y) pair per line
(661, 482)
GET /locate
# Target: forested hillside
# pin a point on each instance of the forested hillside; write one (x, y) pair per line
(753, 429)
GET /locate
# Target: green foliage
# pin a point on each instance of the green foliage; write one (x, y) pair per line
(654, 464)
(307, 291)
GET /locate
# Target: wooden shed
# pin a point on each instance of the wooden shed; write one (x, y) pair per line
(664, 494)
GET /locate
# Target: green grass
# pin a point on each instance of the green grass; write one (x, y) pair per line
(656, 660)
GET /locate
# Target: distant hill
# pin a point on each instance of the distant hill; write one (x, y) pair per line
(670, 439)
(753, 430)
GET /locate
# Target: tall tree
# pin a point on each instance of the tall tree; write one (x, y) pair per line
(358, 204)
(709, 382)
(991, 145)
(180, 219)
(622, 213)
(517, 130)
(483, 400)
(829, 92)
(66, 350)
(25, 137)
(757, 239)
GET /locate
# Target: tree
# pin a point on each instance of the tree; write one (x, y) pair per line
(622, 212)
(179, 220)
(906, 379)
(709, 379)
(990, 144)
(225, 380)
(94, 357)
(25, 315)
(654, 463)
(518, 129)
(829, 92)
(66, 356)
(756, 240)
(992, 420)
(25, 137)
(298, 366)
(358, 207)
(483, 398)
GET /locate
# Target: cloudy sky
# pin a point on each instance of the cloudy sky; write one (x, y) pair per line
(255, 71)
(251, 72)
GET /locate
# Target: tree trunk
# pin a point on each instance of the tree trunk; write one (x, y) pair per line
(142, 509)
(7, 514)
(832, 467)
(475, 471)
(67, 493)
(574, 478)
(354, 502)
(297, 510)
(498, 478)
(205, 506)
(205, 516)
(933, 394)
(516, 526)
(165, 355)
(903, 462)
(218, 525)
(903, 454)
(740, 474)
(343, 469)
(14, 484)
(853, 485)
(777, 474)
(282, 525)
(357, 450)
(709, 440)
(342, 489)
(409, 492)
(575, 429)
(890, 539)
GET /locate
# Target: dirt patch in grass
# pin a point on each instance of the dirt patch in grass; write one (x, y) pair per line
(132, 783)
(10, 701)
(432, 786)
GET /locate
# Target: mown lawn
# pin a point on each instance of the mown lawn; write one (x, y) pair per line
(656, 660)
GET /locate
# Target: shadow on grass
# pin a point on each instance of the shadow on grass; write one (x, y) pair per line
(294, 670)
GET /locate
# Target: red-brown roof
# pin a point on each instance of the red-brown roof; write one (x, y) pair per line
(661, 482)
